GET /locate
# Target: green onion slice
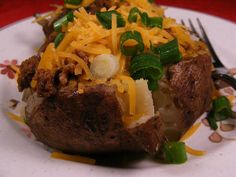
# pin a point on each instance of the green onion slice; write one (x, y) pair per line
(105, 18)
(69, 17)
(147, 66)
(133, 14)
(151, 1)
(211, 120)
(169, 52)
(151, 21)
(73, 2)
(222, 108)
(145, 19)
(174, 152)
(58, 39)
(131, 50)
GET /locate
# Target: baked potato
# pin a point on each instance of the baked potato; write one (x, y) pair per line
(77, 100)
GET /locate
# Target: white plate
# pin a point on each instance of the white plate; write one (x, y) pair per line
(22, 157)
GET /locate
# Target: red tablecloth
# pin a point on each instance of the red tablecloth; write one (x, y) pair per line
(11, 11)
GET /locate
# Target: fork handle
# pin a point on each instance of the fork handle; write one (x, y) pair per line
(226, 78)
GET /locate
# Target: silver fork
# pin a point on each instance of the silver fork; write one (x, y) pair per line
(220, 72)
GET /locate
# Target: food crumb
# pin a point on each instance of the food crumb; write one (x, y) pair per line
(232, 71)
(215, 137)
(13, 103)
(205, 122)
(229, 90)
(226, 127)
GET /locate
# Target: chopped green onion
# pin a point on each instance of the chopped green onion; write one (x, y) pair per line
(174, 152)
(145, 19)
(151, 21)
(211, 120)
(105, 19)
(131, 50)
(133, 14)
(63, 21)
(222, 108)
(169, 52)
(147, 66)
(73, 2)
(58, 39)
(151, 1)
(70, 16)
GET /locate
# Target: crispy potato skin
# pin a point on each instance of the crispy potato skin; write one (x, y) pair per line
(89, 123)
(184, 94)
(192, 87)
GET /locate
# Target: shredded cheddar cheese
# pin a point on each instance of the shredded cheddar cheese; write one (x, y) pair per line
(15, 117)
(70, 6)
(194, 151)
(131, 91)
(114, 33)
(86, 34)
(75, 158)
(191, 131)
(47, 58)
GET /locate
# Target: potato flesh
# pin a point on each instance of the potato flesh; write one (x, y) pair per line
(144, 101)
(171, 117)
(144, 104)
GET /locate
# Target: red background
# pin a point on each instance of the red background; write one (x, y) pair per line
(13, 10)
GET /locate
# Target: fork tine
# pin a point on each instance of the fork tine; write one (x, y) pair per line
(193, 28)
(182, 22)
(207, 40)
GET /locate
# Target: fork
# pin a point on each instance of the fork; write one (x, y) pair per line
(220, 72)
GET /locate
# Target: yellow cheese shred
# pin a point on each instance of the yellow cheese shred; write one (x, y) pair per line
(33, 84)
(66, 41)
(194, 151)
(93, 49)
(70, 6)
(15, 117)
(131, 91)
(191, 131)
(47, 58)
(114, 33)
(86, 3)
(122, 62)
(74, 158)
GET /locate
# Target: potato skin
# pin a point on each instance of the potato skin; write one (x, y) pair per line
(192, 87)
(88, 123)
(184, 95)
